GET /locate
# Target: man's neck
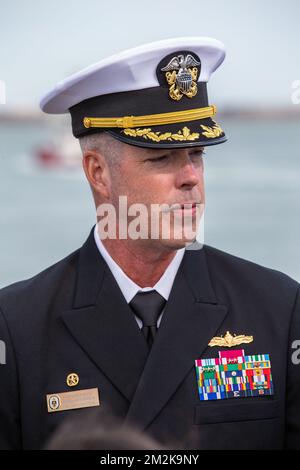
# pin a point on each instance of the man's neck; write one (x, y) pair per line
(143, 266)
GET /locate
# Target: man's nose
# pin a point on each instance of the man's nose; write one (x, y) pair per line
(189, 173)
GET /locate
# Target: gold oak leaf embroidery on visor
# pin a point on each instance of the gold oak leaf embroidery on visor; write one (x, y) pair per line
(212, 132)
(184, 134)
(181, 135)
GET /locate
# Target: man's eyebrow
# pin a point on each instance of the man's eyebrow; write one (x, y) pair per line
(150, 151)
(153, 150)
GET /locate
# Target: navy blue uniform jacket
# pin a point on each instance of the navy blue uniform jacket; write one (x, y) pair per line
(72, 317)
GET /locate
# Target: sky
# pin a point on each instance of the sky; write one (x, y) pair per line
(42, 42)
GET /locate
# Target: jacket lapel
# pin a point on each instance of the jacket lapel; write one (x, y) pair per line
(191, 318)
(103, 324)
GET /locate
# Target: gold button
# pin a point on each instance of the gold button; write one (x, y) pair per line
(87, 122)
(72, 379)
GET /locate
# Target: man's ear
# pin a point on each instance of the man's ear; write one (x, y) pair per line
(97, 172)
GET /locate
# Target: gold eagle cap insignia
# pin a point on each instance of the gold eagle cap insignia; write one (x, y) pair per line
(229, 340)
(181, 74)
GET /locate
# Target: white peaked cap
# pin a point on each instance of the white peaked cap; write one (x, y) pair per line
(154, 95)
(133, 69)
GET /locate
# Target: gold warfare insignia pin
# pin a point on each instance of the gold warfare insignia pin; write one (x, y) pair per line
(181, 74)
(72, 379)
(229, 340)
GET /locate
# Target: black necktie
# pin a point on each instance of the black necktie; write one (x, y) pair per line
(147, 306)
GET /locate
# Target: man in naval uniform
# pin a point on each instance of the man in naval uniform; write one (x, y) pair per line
(189, 344)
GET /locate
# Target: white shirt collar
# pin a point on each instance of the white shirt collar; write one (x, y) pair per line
(128, 287)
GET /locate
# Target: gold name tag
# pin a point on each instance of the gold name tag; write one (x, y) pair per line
(73, 400)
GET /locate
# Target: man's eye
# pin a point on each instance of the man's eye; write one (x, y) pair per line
(158, 159)
(197, 153)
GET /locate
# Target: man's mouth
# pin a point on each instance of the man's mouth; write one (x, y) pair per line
(184, 207)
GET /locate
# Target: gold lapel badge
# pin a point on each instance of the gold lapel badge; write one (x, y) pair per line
(230, 340)
(72, 379)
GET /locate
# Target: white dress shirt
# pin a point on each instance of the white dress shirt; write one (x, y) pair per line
(129, 288)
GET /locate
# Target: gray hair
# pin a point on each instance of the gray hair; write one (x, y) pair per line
(104, 143)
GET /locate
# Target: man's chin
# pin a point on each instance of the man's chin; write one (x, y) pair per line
(176, 244)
